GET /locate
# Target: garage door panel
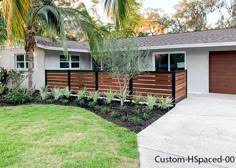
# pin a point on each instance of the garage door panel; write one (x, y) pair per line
(222, 67)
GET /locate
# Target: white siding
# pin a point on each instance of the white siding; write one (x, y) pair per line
(7, 60)
(52, 60)
(197, 62)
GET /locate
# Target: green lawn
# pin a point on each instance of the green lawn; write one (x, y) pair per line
(58, 136)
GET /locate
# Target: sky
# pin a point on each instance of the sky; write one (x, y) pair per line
(166, 5)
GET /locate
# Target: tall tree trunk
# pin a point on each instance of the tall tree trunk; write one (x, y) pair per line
(30, 44)
(30, 58)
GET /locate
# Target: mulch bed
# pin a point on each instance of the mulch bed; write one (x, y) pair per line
(129, 110)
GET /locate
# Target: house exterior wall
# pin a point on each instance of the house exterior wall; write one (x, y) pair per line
(8, 61)
(52, 60)
(197, 64)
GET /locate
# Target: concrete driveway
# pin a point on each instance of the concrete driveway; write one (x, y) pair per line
(202, 126)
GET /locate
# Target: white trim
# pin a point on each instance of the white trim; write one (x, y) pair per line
(25, 62)
(177, 46)
(169, 53)
(199, 45)
(69, 61)
(61, 49)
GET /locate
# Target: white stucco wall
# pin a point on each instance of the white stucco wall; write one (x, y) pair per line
(52, 60)
(197, 64)
(8, 61)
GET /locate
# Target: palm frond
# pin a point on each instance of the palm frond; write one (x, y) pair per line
(15, 12)
(118, 9)
(50, 18)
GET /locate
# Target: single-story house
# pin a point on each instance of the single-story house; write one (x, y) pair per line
(208, 56)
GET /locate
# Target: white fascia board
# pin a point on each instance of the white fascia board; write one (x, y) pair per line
(200, 45)
(61, 49)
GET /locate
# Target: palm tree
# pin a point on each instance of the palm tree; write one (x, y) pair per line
(30, 16)
(119, 10)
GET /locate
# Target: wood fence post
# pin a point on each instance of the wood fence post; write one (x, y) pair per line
(96, 80)
(173, 86)
(46, 78)
(131, 86)
(68, 76)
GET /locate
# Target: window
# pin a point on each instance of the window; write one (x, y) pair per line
(161, 62)
(21, 62)
(170, 61)
(72, 62)
(177, 62)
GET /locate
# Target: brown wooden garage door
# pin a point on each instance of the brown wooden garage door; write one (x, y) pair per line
(223, 72)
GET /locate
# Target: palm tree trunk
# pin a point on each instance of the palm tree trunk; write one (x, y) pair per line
(30, 45)
(30, 58)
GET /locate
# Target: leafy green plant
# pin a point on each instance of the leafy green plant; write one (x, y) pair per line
(105, 110)
(64, 101)
(94, 96)
(123, 109)
(147, 110)
(44, 93)
(2, 89)
(136, 120)
(49, 101)
(97, 108)
(113, 114)
(3, 76)
(15, 77)
(81, 94)
(66, 92)
(109, 96)
(18, 96)
(146, 116)
(81, 102)
(151, 101)
(137, 99)
(137, 110)
(125, 118)
(56, 93)
(91, 104)
(165, 103)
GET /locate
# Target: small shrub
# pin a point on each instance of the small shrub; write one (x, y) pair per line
(49, 101)
(81, 94)
(136, 120)
(43, 93)
(123, 109)
(91, 104)
(165, 103)
(56, 93)
(66, 92)
(137, 99)
(125, 118)
(109, 96)
(147, 110)
(64, 101)
(81, 103)
(97, 108)
(137, 110)
(146, 116)
(2, 89)
(15, 77)
(105, 110)
(151, 101)
(94, 96)
(18, 96)
(113, 114)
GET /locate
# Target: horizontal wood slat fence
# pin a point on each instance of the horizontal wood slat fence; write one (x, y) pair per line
(167, 84)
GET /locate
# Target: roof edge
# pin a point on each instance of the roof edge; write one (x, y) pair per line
(197, 45)
(61, 49)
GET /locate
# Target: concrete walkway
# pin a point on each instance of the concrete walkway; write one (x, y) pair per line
(202, 125)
